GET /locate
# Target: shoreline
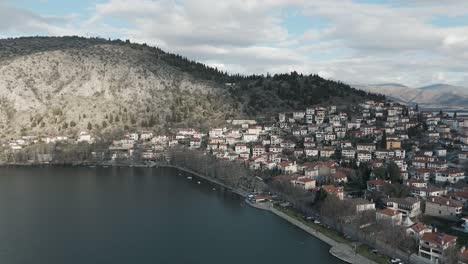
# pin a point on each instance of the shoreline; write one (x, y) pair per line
(341, 251)
(237, 191)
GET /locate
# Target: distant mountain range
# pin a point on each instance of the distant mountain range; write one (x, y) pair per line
(433, 96)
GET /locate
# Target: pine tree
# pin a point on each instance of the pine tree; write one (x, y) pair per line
(90, 126)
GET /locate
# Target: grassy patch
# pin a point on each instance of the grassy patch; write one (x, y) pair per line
(364, 251)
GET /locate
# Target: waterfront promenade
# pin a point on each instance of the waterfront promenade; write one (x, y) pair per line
(342, 251)
(240, 192)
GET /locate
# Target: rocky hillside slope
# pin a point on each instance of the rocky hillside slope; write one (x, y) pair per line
(66, 85)
(54, 84)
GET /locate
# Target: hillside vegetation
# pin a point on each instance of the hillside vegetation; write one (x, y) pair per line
(51, 85)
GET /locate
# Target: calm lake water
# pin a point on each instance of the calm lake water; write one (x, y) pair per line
(67, 215)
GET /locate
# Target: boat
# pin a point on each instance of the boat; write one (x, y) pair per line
(199, 182)
(189, 178)
(214, 189)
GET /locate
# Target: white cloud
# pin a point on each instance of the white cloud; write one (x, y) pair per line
(362, 43)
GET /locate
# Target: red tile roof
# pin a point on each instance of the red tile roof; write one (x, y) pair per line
(438, 238)
(388, 212)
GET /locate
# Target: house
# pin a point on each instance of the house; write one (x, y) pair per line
(366, 147)
(299, 114)
(438, 165)
(123, 144)
(459, 196)
(325, 168)
(244, 155)
(133, 136)
(440, 152)
(276, 149)
(429, 191)
(239, 148)
(434, 246)
(216, 133)
(288, 167)
(298, 152)
(85, 137)
(443, 207)
(304, 183)
(195, 143)
(463, 156)
(146, 135)
(364, 156)
(258, 150)
(367, 130)
(449, 175)
(376, 185)
(384, 154)
(408, 206)
(419, 183)
(148, 155)
(389, 217)
(360, 205)
(256, 130)
(311, 152)
(341, 175)
(287, 145)
(250, 138)
(212, 146)
(417, 230)
(348, 153)
(332, 190)
(423, 174)
(327, 152)
(311, 172)
(393, 144)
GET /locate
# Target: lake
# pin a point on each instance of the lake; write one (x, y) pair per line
(67, 215)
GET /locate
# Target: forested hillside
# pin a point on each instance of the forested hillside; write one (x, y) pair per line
(51, 85)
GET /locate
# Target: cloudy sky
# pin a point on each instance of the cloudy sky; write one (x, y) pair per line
(412, 42)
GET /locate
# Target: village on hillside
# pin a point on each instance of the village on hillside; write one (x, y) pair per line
(404, 167)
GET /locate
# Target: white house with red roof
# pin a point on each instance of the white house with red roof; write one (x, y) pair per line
(434, 246)
(287, 167)
(239, 148)
(389, 217)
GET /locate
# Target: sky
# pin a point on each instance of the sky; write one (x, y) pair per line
(411, 42)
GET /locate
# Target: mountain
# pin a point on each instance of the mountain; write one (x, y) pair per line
(433, 96)
(63, 85)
